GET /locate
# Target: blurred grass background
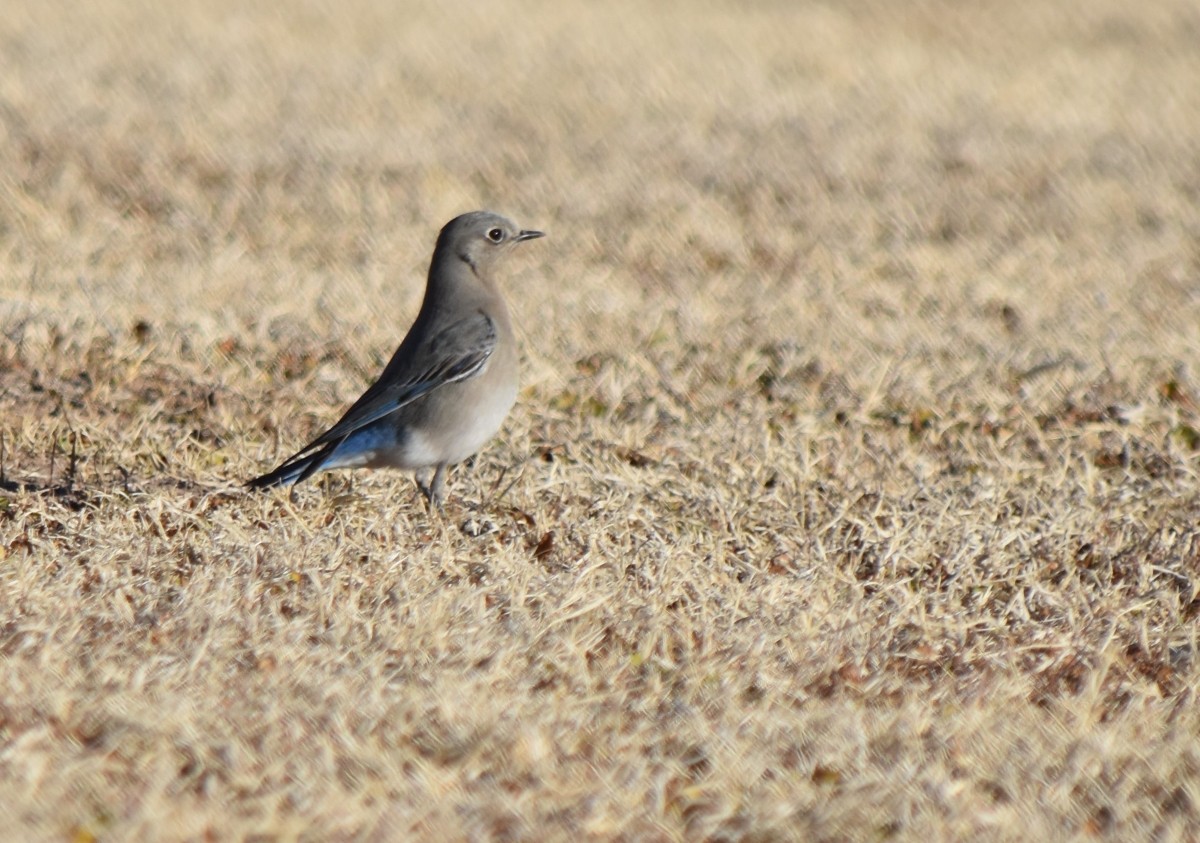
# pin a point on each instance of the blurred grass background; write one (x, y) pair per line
(851, 493)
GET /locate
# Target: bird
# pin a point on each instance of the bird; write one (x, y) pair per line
(451, 383)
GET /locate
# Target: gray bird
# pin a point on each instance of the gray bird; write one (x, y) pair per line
(452, 381)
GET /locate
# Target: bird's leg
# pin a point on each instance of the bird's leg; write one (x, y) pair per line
(437, 486)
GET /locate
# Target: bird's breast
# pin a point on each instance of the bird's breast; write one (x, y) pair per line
(485, 403)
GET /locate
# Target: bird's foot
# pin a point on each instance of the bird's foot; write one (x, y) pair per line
(436, 490)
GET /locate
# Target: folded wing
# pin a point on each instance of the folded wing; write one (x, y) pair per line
(456, 353)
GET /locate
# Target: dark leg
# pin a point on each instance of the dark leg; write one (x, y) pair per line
(437, 487)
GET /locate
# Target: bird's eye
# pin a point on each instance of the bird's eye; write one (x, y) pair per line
(496, 235)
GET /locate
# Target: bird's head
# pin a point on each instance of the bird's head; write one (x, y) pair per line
(480, 238)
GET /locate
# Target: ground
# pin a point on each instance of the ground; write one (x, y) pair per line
(852, 492)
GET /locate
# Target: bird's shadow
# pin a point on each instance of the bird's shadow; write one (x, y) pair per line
(73, 496)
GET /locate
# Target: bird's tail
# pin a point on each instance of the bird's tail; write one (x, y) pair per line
(296, 470)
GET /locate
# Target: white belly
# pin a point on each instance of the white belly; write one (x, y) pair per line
(474, 429)
(450, 439)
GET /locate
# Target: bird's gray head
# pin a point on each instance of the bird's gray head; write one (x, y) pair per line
(479, 238)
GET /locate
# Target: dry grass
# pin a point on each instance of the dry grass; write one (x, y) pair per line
(852, 493)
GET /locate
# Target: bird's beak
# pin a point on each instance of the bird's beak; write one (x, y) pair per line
(530, 235)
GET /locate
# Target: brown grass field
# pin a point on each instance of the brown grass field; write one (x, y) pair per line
(853, 491)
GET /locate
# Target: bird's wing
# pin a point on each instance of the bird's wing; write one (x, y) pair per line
(456, 353)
